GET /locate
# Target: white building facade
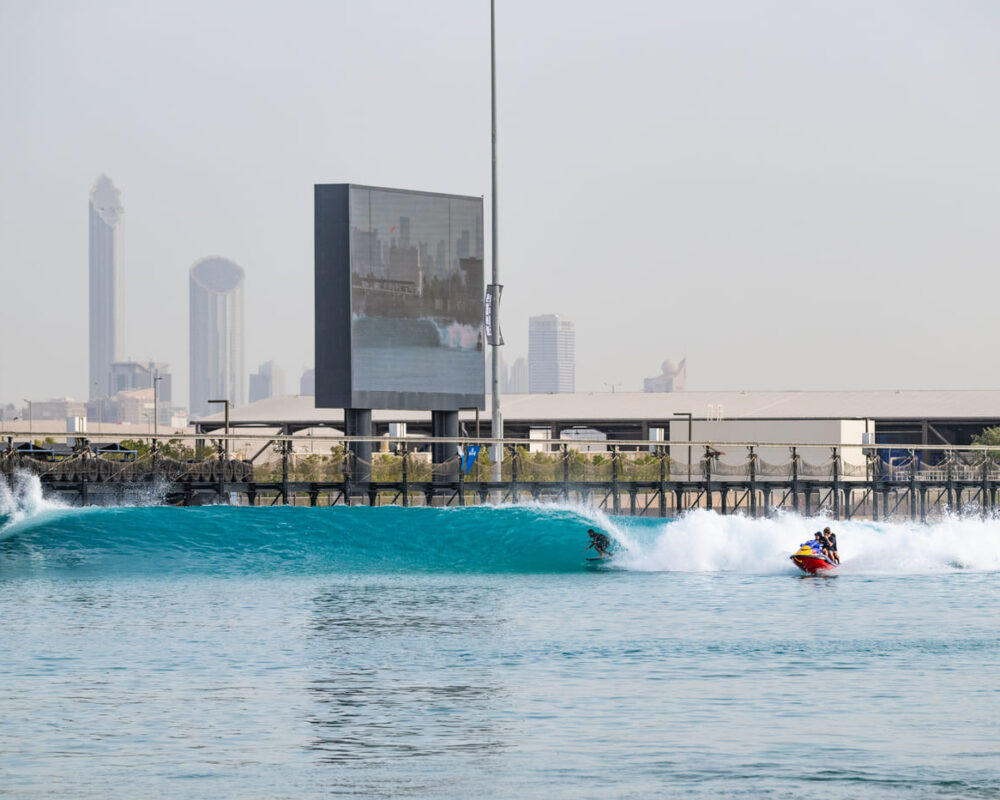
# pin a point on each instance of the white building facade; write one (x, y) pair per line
(216, 335)
(551, 355)
(107, 257)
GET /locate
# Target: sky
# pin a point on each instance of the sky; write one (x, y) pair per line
(791, 195)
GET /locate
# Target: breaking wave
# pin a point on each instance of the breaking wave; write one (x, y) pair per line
(41, 534)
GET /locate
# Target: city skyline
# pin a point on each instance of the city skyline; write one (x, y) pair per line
(757, 187)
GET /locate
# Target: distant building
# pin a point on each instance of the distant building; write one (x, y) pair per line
(216, 335)
(127, 376)
(551, 355)
(134, 407)
(57, 409)
(307, 383)
(107, 256)
(673, 378)
(267, 381)
(518, 378)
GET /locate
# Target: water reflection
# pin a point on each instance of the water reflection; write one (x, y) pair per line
(400, 672)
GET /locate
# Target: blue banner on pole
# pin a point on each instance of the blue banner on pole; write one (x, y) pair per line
(469, 457)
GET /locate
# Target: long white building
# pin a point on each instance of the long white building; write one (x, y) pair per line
(216, 335)
(551, 355)
(107, 257)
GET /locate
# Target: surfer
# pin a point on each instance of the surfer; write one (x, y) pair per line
(600, 542)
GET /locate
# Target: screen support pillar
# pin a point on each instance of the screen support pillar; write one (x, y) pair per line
(358, 422)
(444, 424)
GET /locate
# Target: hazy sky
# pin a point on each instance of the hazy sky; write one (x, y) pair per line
(792, 194)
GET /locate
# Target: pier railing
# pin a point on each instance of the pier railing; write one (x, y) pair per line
(637, 477)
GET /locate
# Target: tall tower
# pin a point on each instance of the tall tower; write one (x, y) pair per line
(551, 355)
(107, 257)
(216, 335)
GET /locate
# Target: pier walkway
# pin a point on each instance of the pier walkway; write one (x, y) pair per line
(625, 477)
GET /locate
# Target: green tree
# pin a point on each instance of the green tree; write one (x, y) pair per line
(141, 448)
(989, 437)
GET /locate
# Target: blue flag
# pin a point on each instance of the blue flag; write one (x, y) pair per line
(469, 457)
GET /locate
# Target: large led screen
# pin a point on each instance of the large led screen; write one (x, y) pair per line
(412, 267)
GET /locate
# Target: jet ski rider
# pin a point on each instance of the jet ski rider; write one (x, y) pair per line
(828, 539)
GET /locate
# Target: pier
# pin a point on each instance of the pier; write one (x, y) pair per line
(635, 478)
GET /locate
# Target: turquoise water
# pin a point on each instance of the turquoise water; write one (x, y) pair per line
(428, 653)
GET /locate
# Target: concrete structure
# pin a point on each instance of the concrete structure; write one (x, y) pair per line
(216, 334)
(551, 355)
(107, 257)
(267, 381)
(673, 378)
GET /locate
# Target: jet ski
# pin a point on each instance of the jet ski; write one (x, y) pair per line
(810, 559)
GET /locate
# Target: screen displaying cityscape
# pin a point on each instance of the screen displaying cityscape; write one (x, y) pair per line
(415, 265)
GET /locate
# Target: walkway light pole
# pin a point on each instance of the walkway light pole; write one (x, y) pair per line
(689, 419)
(156, 412)
(226, 445)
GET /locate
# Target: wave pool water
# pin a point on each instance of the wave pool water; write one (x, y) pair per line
(442, 653)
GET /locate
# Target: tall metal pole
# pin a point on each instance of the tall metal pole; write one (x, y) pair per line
(495, 315)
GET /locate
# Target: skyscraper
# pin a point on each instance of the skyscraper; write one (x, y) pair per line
(267, 381)
(519, 378)
(107, 256)
(216, 335)
(551, 355)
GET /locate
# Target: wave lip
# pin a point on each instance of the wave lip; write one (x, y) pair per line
(22, 501)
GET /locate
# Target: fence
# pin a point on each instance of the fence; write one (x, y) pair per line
(639, 477)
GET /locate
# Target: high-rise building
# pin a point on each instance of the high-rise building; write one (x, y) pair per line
(307, 383)
(267, 381)
(216, 335)
(551, 355)
(107, 256)
(518, 380)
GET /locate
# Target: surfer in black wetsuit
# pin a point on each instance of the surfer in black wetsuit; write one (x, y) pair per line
(600, 542)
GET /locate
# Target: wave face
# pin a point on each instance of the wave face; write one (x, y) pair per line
(41, 534)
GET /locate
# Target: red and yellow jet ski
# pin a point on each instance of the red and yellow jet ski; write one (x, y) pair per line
(810, 559)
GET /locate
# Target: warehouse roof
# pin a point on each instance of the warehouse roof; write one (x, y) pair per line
(971, 405)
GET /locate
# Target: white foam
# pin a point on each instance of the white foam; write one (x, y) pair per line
(22, 502)
(703, 541)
